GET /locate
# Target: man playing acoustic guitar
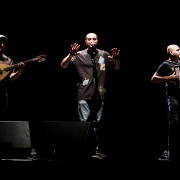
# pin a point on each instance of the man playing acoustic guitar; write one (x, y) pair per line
(9, 75)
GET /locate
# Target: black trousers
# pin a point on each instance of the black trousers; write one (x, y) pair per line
(174, 128)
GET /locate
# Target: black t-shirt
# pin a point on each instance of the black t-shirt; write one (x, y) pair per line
(165, 69)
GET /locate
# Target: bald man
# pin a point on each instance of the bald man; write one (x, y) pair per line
(169, 74)
(91, 65)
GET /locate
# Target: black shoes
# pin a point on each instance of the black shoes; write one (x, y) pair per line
(98, 154)
(165, 156)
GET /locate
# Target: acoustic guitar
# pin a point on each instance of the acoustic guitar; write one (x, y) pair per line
(6, 69)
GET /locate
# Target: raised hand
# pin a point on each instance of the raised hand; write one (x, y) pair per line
(74, 48)
(115, 54)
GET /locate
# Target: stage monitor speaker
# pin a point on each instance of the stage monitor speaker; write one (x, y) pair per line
(65, 132)
(15, 138)
(63, 140)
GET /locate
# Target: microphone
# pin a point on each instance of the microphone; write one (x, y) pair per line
(92, 50)
(93, 46)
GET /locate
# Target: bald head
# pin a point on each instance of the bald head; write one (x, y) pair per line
(173, 51)
(91, 35)
(172, 47)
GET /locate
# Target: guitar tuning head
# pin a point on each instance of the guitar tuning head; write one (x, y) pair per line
(42, 58)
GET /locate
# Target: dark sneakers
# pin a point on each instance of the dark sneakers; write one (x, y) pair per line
(99, 155)
(164, 156)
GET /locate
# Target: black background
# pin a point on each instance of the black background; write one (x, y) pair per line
(136, 108)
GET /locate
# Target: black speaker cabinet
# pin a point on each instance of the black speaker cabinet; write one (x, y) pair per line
(63, 139)
(15, 138)
(66, 132)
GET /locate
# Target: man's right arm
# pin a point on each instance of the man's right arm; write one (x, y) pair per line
(65, 62)
(156, 78)
(73, 51)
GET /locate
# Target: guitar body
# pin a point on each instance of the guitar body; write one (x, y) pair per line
(3, 73)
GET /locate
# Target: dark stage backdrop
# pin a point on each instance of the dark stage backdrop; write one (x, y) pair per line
(46, 92)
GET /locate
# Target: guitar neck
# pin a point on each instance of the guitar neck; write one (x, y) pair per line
(14, 66)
